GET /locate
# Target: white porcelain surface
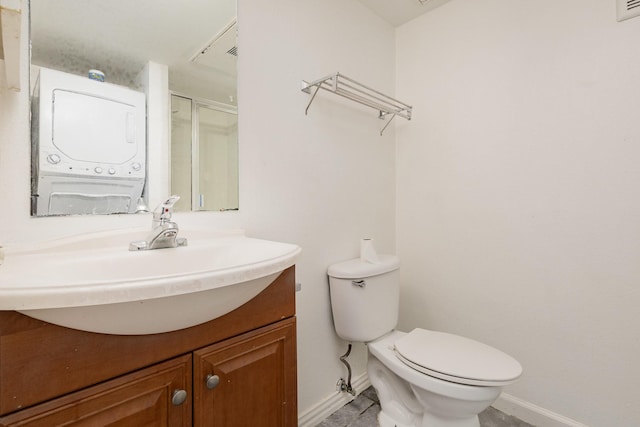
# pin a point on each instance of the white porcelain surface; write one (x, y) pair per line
(358, 269)
(414, 399)
(383, 350)
(368, 309)
(93, 282)
(455, 358)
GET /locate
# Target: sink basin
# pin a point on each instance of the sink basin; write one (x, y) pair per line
(94, 283)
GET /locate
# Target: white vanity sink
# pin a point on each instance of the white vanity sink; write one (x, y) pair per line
(94, 283)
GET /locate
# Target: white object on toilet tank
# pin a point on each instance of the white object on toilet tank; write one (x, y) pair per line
(368, 251)
(365, 297)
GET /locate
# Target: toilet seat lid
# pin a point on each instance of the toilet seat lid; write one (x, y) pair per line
(457, 359)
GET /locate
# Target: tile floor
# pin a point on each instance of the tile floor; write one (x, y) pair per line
(363, 412)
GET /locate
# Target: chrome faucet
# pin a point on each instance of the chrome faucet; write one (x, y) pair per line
(164, 233)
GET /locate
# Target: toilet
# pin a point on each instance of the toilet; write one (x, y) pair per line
(423, 378)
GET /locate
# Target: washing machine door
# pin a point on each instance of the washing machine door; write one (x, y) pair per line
(456, 359)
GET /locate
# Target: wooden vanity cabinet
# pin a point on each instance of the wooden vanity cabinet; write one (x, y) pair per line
(139, 399)
(247, 379)
(237, 370)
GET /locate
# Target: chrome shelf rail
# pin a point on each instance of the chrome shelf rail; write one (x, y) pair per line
(351, 89)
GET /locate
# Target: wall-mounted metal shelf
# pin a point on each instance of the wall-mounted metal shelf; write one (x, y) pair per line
(351, 89)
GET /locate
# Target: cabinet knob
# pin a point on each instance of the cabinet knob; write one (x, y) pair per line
(179, 396)
(212, 381)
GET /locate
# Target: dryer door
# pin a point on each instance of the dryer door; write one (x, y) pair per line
(93, 129)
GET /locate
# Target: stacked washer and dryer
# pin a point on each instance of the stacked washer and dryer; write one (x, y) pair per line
(88, 151)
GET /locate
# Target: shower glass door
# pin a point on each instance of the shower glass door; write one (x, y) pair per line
(204, 155)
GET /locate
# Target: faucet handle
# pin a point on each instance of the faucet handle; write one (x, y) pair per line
(163, 212)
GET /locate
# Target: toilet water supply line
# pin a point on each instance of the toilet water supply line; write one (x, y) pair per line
(343, 385)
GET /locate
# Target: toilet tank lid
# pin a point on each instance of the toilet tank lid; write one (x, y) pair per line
(357, 268)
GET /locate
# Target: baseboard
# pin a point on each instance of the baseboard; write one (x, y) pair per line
(314, 416)
(511, 405)
(531, 413)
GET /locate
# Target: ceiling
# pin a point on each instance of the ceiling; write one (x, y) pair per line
(398, 12)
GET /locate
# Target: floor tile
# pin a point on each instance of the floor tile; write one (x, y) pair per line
(363, 412)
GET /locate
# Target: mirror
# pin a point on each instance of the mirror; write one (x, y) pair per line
(204, 140)
(182, 56)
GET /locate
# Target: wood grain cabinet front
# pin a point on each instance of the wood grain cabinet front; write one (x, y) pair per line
(149, 397)
(248, 381)
(234, 371)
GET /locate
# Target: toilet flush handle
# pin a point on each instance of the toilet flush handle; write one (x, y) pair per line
(359, 283)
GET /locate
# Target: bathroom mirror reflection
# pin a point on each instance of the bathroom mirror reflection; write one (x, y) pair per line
(204, 140)
(97, 148)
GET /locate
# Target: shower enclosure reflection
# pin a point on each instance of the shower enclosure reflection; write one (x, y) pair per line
(204, 154)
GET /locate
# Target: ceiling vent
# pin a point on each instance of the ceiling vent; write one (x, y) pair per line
(628, 9)
(218, 50)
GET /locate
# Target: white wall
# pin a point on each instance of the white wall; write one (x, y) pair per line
(322, 181)
(518, 193)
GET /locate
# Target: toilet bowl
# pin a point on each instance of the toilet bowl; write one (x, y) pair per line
(436, 401)
(423, 378)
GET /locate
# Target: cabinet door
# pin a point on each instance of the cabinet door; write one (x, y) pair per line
(249, 380)
(141, 399)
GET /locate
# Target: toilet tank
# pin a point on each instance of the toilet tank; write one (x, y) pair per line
(365, 297)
